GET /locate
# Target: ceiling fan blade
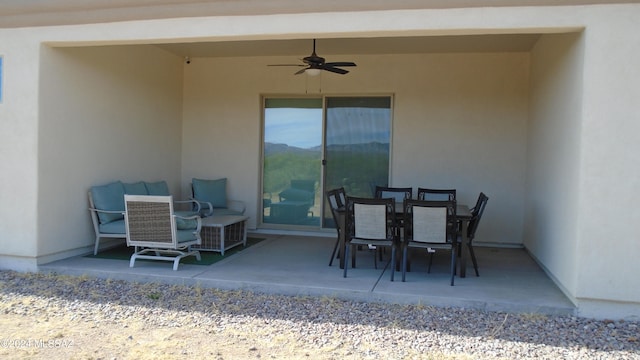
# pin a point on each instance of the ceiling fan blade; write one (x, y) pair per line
(334, 69)
(301, 71)
(286, 65)
(340, 64)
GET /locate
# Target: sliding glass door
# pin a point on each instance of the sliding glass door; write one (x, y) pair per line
(292, 153)
(350, 136)
(357, 146)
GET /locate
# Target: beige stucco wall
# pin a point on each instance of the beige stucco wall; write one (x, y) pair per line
(609, 181)
(459, 121)
(43, 121)
(18, 150)
(554, 155)
(103, 114)
(582, 172)
(106, 113)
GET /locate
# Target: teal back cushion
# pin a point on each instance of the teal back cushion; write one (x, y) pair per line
(137, 188)
(159, 188)
(109, 197)
(213, 191)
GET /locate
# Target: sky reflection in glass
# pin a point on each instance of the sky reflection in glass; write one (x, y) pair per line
(295, 127)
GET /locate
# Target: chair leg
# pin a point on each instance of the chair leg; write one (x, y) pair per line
(404, 262)
(335, 249)
(346, 263)
(353, 256)
(430, 261)
(375, 259)
(393, 261)
(473, 259)
(408, 262)
(453, 263)
(95, 249)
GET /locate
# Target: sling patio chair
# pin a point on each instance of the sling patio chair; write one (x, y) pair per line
(430, 225)
(399, 194)
(156, 232)
(337, 199)
(476, 213)
(371, 222)
(436, 194)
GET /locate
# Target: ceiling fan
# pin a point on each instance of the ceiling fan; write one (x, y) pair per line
(313, 64)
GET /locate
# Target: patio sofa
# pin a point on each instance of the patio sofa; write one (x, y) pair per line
(106, 205)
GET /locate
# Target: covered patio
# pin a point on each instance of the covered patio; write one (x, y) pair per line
(535, 105)
(509, 280)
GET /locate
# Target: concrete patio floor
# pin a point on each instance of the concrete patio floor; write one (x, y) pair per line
(509, 279)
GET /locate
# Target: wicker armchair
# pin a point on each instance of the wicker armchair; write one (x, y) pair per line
(157, 232)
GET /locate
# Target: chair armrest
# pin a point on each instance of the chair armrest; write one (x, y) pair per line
(107, 211)
(208, 209)
(196, 204)
(236, 205)
(205, 206)
(95, 218)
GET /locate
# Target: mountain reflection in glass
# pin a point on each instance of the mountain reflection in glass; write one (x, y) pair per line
(357, 144)
(357, 132)
(292, 166)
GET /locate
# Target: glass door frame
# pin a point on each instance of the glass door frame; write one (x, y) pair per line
(321, 226)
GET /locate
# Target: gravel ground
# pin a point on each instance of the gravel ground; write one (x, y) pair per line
(50, 316)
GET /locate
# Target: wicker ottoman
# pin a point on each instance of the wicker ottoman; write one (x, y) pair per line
(220, 233)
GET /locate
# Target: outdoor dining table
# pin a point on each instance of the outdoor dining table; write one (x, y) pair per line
(462, 213)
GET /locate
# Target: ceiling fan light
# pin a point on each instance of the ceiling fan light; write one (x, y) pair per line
(313, 72)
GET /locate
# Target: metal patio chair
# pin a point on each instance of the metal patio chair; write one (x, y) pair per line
(371, 222)
(337, 199)
(430, 225)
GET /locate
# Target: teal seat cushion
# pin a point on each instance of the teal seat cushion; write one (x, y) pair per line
(137, 188)
(114, 227)
(159, 188)
(109, 197)
(213, 191)
(185, 235)
(186, 224)
(185, 213)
